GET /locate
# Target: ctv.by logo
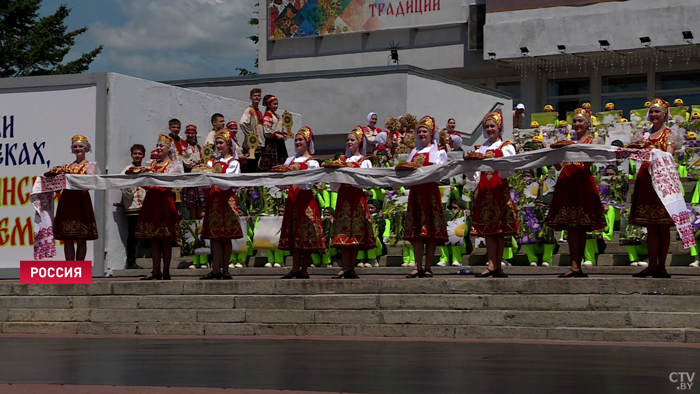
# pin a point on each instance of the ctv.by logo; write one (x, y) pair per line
(684, 379)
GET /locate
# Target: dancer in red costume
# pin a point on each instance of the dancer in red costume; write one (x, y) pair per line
(221, 223)
(371, 131)
(352, 228)
(75, 219)
(425, 224)
(576, 205)
(494, 212)
(158, 220)
(647, 209)
(302, 230)
(275, 151)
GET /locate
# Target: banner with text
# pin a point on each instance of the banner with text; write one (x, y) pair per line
(310, 18)
(36, 126)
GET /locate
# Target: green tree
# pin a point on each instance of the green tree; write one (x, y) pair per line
(253, 22)
(30, 45)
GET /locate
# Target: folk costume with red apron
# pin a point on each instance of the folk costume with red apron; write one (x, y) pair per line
(159, 216)
(221, 220)
(576, 200)
(302, 228)
(425, 214)
(75, 217)
(647, 208)
(494, 211)
(352, 225)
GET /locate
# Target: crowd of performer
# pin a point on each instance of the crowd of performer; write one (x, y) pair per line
(504, 210)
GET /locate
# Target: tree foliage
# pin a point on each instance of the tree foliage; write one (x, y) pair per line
(33, 45)
(254, 21)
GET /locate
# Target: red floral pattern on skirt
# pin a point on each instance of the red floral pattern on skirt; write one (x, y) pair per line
(576, 200)
(158, 217)
(647, 209)
(301, 225)
(221, 220)
(494, 212)
(74, 216)
(352, 225)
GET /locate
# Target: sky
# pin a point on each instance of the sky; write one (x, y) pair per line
(163, 40)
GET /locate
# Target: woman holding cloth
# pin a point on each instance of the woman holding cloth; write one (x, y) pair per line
(352, 227)
(75, 219)
(302, 229)
(425, 226)
(576, 205)
(494, 213)
(647, 209)
(221, 223)
(158, 219)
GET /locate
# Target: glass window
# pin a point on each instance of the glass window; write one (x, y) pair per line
(689, 99)
(625, 84)
(626, 102)
(667, 81)
(562, 106)
(513, 88)
(569, 87)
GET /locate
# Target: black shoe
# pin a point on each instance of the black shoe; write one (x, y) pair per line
(291, 275)
(644, 273)
(225, 275)
(485, 274)
(153, 276)
(418, 274)
(351, 275)
(499, 274)
(211, 276)
(428, 274)
(341, 275)
(303, 275)
(661, 274)
(166, 276)
(133, 266)
(573, 274)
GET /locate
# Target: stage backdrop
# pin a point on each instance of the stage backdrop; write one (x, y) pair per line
(309, 18)
(37, 125)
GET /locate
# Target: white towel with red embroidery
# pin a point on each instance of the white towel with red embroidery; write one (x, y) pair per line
(667, 183)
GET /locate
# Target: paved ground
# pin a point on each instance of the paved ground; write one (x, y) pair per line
(369, 365)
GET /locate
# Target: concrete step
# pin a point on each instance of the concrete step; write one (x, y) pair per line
(438, 271)
(593, 309)
(50, 307)
(499, 318)
(678, 335)
(522, 285)
(476, 258)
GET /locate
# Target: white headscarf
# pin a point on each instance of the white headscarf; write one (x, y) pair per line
(369, 117)
(381, 138)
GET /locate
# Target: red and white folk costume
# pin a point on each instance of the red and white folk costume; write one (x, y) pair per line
(221, 219)
(576, 201)
(302, 228)
(192, 197)
(75, 217)
(647, 209)
(425, 215)
(494, 212)
(352, 225)
(273, 128)
(159, 216)
(371, 133)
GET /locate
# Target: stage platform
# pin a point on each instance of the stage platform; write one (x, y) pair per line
(605, 307)
(613, 255)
